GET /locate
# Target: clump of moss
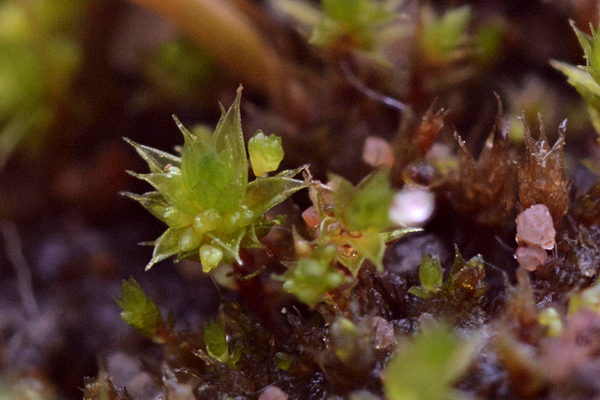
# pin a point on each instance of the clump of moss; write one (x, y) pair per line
(357, 327)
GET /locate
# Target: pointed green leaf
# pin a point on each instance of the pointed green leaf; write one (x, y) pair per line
(154, 202)
(166, 245)
(459, 261)
(582, 81)
(590, 45)
(158, 206)
(397, 233)
(206, 177)
(215, 339)
(585, 40)
(342, 191)
(228, 141)
(170, 185)
(157, 160)
(369, 206)
(231, 244)
(265, 193)
(369, 245)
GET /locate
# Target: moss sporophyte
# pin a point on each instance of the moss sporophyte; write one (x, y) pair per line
(204, 195)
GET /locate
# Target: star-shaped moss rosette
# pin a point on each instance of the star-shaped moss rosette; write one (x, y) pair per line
(205, 198)
(355, 220)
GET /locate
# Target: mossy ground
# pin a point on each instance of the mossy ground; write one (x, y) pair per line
(79, 237)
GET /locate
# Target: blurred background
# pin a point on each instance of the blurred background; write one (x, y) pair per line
(78, 75)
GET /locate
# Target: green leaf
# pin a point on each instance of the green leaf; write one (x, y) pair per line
(205, 197)
(397, 234)
(368, 245)
(420, 292)
(158, 206)
(206, 177)
(440, 36)
(582, 81)
(427, 367)
(228, 141)
(151, 201)
(369, 206)
(590, 45)
(170, 185)
(157, 160)
(215, 339)
(216, 174)
(166, 245)
(138, 310)
(230, 243)
(430, 272)
(585, 40)
(343, 191)
(265, 193)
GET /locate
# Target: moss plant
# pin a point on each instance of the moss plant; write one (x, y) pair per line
(205, 198)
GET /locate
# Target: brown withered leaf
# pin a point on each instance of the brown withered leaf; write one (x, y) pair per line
(486, 187)
(416, 141)
(431, 125)
(542, 178)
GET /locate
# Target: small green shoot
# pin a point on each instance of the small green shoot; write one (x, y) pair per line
(351, 25)
(466, 280)
(205, 198)
(427, 367)
(265, 153)
(310, 278)
(353, 226)
(215, 339)
(356, 219)
(430, 275)
(355, 20)
(139, 311)
(442, 37)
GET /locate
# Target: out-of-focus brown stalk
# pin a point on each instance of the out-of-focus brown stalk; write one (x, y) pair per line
(227, 35)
